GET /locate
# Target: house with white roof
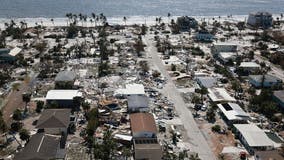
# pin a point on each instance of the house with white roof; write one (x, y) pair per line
(130, 89)
(220, 95)
(253, 138)
(63, 98)
(232, 113)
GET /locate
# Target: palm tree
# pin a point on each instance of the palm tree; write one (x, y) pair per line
(52, 21)
(236, 86)
(169, 17)
(124, 20)
(94, 16)
(203, 91)
(26, 98)
(264, 70)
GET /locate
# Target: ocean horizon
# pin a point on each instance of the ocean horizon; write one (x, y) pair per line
(120, 8)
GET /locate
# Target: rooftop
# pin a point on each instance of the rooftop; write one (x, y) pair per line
(224, 44)
(249, 65)
(226, 55)
(279, 95)
(15, 51)
(254, 136)
(269, 155)
(220, 94)
(267, 78)
(141, 122)
(131, 89)
(54, 118)
(233, 111)
(206, 81)
(137, 101)
(147, 149)
(41, 147)
(65, 76)
(62, 94)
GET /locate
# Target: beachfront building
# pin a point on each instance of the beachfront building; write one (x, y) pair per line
(232, 113)
(185, 23)
(62, 98)
(218, 47)
(65, 80)
(260, 20)
(253, 138)
(278, 97)
(267, 81)
(7, 55)
(54, 121)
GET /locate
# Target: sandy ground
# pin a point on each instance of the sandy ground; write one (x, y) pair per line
(14, 101)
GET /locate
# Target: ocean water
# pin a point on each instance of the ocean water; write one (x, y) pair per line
(119, 8)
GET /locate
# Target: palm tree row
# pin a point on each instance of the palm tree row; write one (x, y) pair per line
(75, 18)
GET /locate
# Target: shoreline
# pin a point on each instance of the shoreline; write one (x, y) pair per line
(148, 20)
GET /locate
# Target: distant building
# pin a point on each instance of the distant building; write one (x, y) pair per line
(260, 19)
(7, 55)
(62, 98)
(143, 125)
(278, 97)
(225, 57)
(233, 113)
(54, 121)
(267, 80)
(206, 82)
(204, 36)
(253, 138)
(138, 103)
(147, 148)
(249, 67)
(65, 80)
(185, 23)
(43, 147)
(218, 47)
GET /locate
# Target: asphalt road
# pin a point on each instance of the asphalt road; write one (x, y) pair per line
(198, 142)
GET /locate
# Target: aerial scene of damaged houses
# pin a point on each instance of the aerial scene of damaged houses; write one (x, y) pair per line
(180, 88)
